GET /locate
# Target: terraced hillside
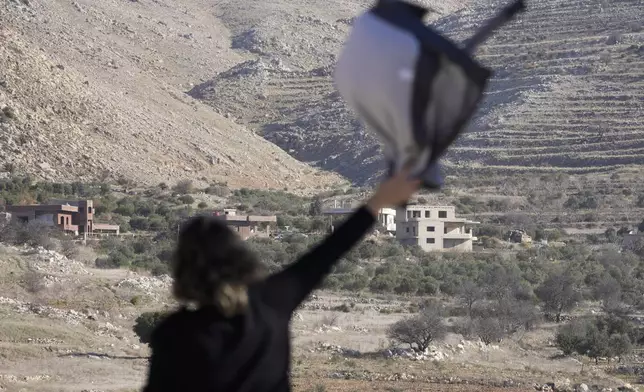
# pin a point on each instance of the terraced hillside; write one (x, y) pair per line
(567, 94)
(298, 111)
(569, 89)
(285, 92)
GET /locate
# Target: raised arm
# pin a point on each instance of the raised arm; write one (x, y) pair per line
(285, 290)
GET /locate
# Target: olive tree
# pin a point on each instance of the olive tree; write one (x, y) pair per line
(421, 330)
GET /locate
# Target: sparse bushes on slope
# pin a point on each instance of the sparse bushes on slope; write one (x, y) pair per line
(34, 233)
(151, 254)
(584, 200)
(596, 337)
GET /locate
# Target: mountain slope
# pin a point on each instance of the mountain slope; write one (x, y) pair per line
(569, 89)
(285, 90)
(95, 90)
(566, 95)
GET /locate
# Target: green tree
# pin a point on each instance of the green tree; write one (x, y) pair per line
(619, 345)
(489, 330)
(596, 343)
(184, 187)
(559, 293)
(469, 293)
(407, 285)
(187, 199)
(316, 207)
(570, 338)
(421, 330)
(382, 284)
(611, 235)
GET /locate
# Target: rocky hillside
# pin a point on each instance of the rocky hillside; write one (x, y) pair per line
(96, 90)
(285, 90)
(566, 95)
(569, 87)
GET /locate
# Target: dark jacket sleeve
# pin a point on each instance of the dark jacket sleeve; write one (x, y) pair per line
(180, 361)
(160, 368)
(285, 290)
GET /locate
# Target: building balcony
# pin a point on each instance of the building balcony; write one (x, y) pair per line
(458, 236)
(73, 228)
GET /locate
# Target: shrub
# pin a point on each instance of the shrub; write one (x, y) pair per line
(218, 190)
(316, 207)
(125, 207)
(187, 199)
(184, 187)
(407, 285)
(421, 330)
(157, 223)
(69, 248)
(202, 205)
(139, 223)
(146, 323)
(559, 293)
(33, 282)
(382, 284)
(619, 345)
(9, 112)
(427, 286)
(570, 337)
(342, 308)
(583, 200)
(592, 338)
(489, 330)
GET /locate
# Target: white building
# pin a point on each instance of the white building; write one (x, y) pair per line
(434, 228)
(386, 216)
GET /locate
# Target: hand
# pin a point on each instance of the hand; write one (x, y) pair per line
(393, 192)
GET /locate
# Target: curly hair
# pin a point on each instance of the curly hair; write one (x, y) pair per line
(213, 267)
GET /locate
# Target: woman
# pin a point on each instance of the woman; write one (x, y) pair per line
(236, 338)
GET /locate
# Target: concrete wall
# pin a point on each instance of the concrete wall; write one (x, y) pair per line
(47, 219)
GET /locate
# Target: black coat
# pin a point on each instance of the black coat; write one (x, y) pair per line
(201, 350)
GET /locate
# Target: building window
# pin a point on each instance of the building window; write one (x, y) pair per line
(431, 240)
(89, 210)
(442, 214)
(408, 230)
(416, 214)
(414, 230)
(445, 230)
(431, 228)
(408, 214)
(426, 214)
